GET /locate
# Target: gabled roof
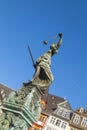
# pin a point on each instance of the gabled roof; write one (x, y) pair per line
(65, 105)
(51, 103)
(81, 111)
(63, 111)
(4, 91)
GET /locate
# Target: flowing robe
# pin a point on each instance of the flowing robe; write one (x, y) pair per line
(45, 77)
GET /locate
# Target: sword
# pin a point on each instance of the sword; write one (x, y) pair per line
(31, 56)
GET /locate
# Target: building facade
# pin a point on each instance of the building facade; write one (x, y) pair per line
(55, 116)
(60, 118)
(79, 119)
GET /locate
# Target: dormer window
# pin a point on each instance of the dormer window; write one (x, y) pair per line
(60, 112)
(81, 110)
(2, 91)
(64, 113)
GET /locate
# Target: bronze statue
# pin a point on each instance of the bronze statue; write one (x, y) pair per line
(43, 76)
(22, 108)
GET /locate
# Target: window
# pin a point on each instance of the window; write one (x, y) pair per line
(2, 94)
(72, 128)
(2, 91)
(84, 122)
(53, 119)
(66, 114)
(81, 110)
(36, 128)
(49, 128)
(76, 119)
(60, 112)
(63, 113)
(64, 124)
(1, 112)
(58, 122)
(41, 118)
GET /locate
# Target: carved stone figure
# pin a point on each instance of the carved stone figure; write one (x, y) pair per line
(43, 76)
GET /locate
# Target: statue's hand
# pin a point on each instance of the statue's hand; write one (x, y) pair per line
(60, 35)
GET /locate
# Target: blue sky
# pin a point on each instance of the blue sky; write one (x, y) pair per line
(24, 22)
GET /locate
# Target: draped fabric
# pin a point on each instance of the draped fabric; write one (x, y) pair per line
(45, 77)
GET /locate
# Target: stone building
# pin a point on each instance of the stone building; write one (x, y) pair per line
(79, 119)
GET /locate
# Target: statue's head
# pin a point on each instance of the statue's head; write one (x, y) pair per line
(53, 47)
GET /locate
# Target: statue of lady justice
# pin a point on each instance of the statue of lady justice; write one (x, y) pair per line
(43, 76)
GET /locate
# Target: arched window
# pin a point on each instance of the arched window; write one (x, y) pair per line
(76, 119)
(84, 122)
